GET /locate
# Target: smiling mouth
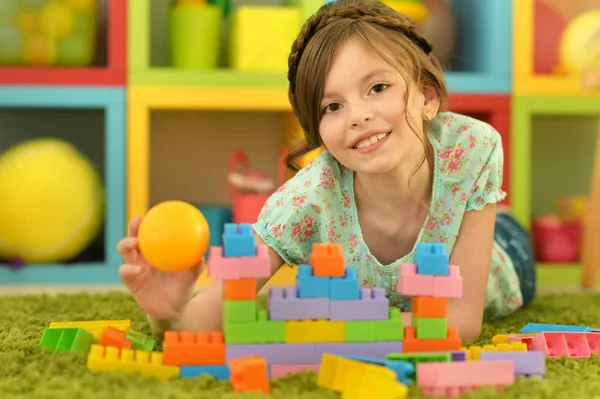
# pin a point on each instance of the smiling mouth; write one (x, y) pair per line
(371, 140)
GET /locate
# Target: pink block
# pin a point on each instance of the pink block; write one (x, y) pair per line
(233, 268)
(412, 284)
(281, 370)
(455, 378)
(372, 305)
(449, 286)
(557, 344)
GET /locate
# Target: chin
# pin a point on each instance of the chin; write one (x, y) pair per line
(379, 166)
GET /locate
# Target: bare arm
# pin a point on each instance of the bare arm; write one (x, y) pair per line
(204, 312)
(472, 253)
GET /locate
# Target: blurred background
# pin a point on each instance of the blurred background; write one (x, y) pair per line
(108, 107)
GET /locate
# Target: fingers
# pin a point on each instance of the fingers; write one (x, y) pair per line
(134, 226)
(128, 249)
(128, 272)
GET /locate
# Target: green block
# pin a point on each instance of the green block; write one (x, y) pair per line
(430, 328)
(420, 357)
(260, 330)
(359, 331)
(69, 339)
(140, 341)
(239, 311)
(391, 329)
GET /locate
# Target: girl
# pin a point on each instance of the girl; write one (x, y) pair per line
(397, 171)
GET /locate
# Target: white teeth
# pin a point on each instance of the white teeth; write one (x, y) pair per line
(371, 140)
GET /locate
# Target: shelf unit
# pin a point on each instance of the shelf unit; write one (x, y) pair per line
(114, 73)
(112, 103)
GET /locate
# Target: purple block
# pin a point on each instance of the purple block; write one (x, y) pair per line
(284, 304)
(459, 356)
(526, 363)
(275, 353)
(595, 330)
(376, 350)
(372, 305)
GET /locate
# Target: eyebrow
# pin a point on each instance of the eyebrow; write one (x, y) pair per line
(364, 79)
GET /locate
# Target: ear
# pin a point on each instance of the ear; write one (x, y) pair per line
(431, 103)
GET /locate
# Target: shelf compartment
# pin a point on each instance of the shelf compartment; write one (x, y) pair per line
(535, 64)
(111, 67)
(92, 119)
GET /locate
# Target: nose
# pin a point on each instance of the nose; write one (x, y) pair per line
(360, 114)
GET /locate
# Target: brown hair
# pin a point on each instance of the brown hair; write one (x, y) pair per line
(391, 34)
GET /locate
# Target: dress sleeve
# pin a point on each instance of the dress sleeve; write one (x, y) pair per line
(487, 186)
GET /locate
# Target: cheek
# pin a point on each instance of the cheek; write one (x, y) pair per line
(330, 131)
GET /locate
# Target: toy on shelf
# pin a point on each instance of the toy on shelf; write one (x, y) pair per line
(579, 48)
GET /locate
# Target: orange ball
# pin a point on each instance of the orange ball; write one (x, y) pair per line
(174, 236)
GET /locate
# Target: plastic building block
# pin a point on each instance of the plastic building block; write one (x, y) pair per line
(379, 381)
(327, 260)
(430, 328)
(260, 330)
(374, 350)
(310, 286)
(238, 240)
(538, 327)
(249, 374)
(347, 287)
(402, 369)
(275, 353)
(360, 331)
(505, 338)
(282, 370)
(239, 311)
(284, 304)
(224, 268)
(199, 348)
(243, 289)
(372, 305)
(574, 345)
(312, 331)
(459, 356)
(413, 344)
(334, 369)
(412, 284)
(95, 327)
(474, 351)
(148, 364)
(113, 337)
(427, 306)
(450, 286)
(220, 372)
(416, 358)
(391, 329)
(68, 339)
(431, 259)
(526, 363)
(140, 341)
(455, 378)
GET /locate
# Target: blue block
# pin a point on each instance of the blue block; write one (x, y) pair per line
(220, 372)
(538, 328)
(431, 259)
(238, 240)
(310, 286)
(403, 370)
(372, 360)
(216, 217)
(346, 287)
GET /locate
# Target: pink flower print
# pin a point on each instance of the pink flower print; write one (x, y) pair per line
(445, 154)
(279, 203)
(343, 221)
(281, 189)
(447, 120)
(432, 224)
(325, 173)
(455, 189)
(459, 152)
(316, 208)
(446, 220)
(346, 201)
(472, 141)
(309, 221)
(303, 230)
(443, 239)
(298, 200)
(452, 166)
(307, 183)
(308, 233)
(353, 242)
(326, 180)
(331, 233)
(277, 230)
(463, 198)
(462, 128)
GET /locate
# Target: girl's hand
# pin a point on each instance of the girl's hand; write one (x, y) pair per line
(162, 295)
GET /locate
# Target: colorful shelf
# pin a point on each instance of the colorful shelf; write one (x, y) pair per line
(112, 102)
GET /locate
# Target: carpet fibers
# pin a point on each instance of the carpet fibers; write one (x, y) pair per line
(27, 372)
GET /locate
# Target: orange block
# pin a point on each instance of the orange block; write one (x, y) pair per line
(115, 337)
(199, 348)
(429, 307)
(412, 344)
(327, 260)
(249, 374)
(243, 289)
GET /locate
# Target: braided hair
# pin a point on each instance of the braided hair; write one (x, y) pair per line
(392, 34)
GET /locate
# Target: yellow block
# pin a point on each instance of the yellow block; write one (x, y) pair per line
(94, 327)
(503, 338)
(148, 364)
(261, 37)
(312, 331)
(473, 353)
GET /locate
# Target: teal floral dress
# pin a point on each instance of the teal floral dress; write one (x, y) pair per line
(318, 205)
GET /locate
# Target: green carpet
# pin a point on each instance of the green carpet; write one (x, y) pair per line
(26, 372)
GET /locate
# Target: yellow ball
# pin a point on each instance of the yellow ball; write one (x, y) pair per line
(580, 43)
(52, 202)
(56, 20)
(174, 236)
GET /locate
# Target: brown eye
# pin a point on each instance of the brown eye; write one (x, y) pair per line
(379, 87)
(332, 107)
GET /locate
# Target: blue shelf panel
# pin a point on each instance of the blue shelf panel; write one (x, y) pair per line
(113, 102)
(474, 83)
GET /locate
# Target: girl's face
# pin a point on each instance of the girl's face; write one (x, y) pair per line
(364, 112)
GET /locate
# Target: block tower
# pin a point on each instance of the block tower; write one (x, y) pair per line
(325, 312)
(430, 281)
